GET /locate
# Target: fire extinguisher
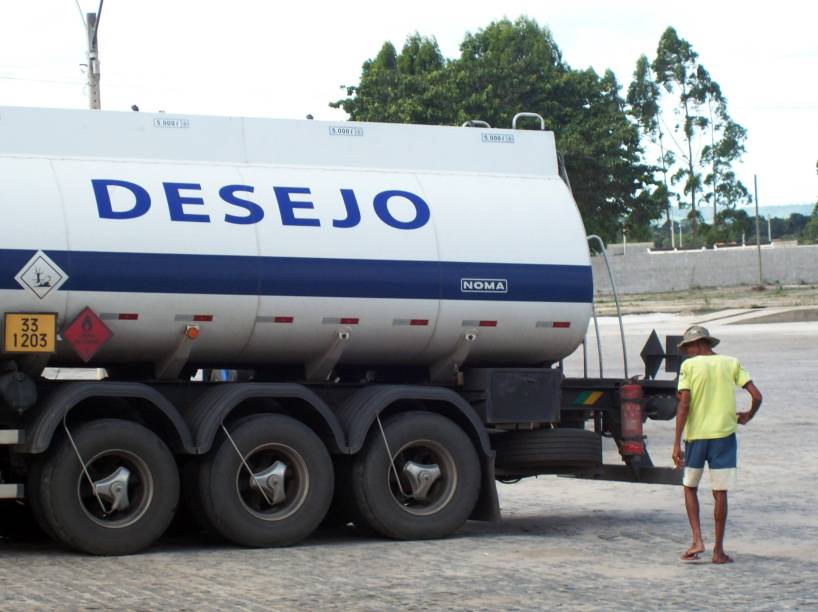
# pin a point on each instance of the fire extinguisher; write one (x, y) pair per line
(630, 399)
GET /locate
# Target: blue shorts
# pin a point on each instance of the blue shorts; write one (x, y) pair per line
(720, 455)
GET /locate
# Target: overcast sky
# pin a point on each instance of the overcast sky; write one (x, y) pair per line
(276, 59)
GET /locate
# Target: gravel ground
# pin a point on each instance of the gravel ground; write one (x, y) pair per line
(562, 543)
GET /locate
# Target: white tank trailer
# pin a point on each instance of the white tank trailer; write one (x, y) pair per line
(392, 302)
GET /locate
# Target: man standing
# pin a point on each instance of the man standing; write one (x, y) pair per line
(707, 416)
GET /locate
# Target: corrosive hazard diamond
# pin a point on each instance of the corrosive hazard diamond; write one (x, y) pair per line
(41, 275)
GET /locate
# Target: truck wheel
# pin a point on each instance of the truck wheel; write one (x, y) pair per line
(288, 492)
(529, 451)
(437, 482)
(130, 499)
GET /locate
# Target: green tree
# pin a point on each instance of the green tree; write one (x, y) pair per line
(509, 67)
(810, 231)
(643, 99)
(726, 146)
(612, 185)
(678, 70)
(707, 140)
(410, 87)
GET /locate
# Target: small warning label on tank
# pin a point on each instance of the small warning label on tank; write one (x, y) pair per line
(497, 138)
(41, 275)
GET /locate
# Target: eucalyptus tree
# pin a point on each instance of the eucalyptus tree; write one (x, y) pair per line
(643, 100)
(678, 70)
(706, 139)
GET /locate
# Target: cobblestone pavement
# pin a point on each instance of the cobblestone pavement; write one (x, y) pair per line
(562, 543)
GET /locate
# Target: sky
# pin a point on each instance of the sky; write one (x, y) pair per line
(285, 60)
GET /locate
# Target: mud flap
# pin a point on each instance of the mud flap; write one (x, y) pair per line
(487, 507)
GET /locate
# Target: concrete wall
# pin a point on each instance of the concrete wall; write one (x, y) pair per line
(636, 270)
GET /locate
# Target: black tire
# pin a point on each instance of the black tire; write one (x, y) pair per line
(241, 513)
(343, 509)
(35, 476)
(541, 449)
(413, 436)
(64, 502)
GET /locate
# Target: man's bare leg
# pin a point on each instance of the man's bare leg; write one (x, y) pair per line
(720, 515)
(692, 507)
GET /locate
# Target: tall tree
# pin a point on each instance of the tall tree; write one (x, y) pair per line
(602, 151)
(706, 138)
(410, 87)
(643, 100)
(509, 67)
(725, 147)
(678, 70)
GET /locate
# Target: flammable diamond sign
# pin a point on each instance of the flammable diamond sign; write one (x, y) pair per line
(87, 334)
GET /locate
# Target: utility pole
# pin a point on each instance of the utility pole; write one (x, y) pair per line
(91, 27)
(758, 234)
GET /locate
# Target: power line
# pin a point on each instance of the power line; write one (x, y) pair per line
(82, 15)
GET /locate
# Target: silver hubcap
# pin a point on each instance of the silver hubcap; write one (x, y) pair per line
(421, 477)
(428, 477)
(271, 482)
(277, 482)
(120, 491)
(114, 489)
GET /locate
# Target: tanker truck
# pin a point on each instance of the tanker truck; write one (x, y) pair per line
(395, 303)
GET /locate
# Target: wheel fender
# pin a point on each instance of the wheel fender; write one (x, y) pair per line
(40, 430)
(207, 414)
(360, 411)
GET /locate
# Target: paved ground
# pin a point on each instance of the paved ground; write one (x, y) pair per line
(562, 543)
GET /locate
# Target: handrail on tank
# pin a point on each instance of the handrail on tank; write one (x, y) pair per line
(618, 311)
(532, 115)
(476, 123)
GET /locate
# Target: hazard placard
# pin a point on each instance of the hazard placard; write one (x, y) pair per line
(30, 332)
(87, 334)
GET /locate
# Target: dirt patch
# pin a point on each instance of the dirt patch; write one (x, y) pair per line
(704, 300)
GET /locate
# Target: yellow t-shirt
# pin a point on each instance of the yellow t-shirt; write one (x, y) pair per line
(711, 380)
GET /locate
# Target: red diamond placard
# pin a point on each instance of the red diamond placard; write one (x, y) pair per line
(87, 334)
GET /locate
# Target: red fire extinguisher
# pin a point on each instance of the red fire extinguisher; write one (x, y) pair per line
(630, 399)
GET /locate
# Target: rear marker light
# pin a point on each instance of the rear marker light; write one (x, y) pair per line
(561, 324)
(419, 322)
(201, 317)
(283, 319)
(487, 324)
(128, 316)
(348, 321)
(192, 332)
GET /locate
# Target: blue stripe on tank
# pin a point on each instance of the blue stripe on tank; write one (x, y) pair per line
(304, 276)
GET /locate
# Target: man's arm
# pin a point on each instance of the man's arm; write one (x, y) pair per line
(755, 394)
(681, 418)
